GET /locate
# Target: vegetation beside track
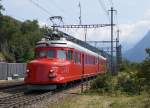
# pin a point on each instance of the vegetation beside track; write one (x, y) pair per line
(103, 101)
(132, 79)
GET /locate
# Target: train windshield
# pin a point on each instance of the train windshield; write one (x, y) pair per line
(51, 54)
(44, 53)
(61, 54)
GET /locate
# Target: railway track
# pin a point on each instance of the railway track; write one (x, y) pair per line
(22, 98)
(6, 92)
(19, 97)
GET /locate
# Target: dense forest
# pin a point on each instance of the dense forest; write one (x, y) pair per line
(17, 39)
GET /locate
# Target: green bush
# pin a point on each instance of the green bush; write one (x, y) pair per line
(125, 82)
(102, 83)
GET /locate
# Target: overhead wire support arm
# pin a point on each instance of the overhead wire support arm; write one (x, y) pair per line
(102, 41)
(83, 26)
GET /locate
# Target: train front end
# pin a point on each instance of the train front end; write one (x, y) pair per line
(43, 73)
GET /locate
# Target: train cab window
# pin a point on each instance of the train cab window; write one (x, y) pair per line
(51, 53)
(42, 54)
(61, 54)
(69, 55)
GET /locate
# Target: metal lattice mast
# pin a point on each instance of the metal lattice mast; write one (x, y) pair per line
(112, 22)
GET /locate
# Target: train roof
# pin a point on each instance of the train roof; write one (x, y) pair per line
(66, 44)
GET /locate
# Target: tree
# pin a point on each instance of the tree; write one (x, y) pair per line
(144, 71)
(18, 39)
(1, 8)
(148, 52)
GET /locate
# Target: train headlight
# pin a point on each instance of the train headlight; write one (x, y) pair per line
(27, 73)
(27, 70)
(52, 72)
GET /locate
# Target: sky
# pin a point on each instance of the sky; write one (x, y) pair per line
(132, 16)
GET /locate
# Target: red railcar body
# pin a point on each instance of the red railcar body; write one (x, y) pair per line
(61, 61)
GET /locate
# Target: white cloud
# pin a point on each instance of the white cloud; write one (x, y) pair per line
(133, 32)
(42, 24)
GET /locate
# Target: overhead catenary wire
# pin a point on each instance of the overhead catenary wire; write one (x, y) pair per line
(111, 3)
(117, 23)
(116, 14)
(104, 9)
(59, 8)
(67, 13)
(63, 12)
(14, 16)
(40, 7)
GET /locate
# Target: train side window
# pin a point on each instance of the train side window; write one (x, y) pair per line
(69, 55)
(87, 59)
(79, 58)
(61, 54)
(75, 57)
(51, 53)
(84, 59)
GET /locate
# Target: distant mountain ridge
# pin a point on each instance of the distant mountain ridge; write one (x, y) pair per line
(137, 53)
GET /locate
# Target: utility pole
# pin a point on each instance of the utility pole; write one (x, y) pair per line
(112, 23)
(82, 77)
(80, 20)
(117, 52)
(118, 33)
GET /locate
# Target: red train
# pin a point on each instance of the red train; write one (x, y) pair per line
(59, 62)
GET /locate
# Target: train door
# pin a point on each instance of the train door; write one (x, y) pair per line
(98, 64)
(83, 69)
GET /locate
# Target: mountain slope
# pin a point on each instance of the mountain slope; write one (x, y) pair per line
(137, 53)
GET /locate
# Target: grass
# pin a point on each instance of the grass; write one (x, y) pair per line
(103, 101)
